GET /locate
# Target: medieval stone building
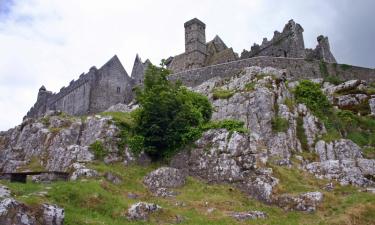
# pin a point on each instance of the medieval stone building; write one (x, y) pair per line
(290, 44)
(102, 88)
(94, 91)
(199, 53)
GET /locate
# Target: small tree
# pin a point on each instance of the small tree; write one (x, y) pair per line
(169, 114)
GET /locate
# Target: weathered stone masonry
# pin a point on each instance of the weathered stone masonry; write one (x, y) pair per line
(101, 88)
(290, 44)
(296, 69)
(93, 92)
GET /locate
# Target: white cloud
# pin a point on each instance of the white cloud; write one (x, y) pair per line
(52, 42)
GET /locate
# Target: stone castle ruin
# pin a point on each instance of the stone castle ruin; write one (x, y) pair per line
(94, 91)
(290, 44)
(102, 88)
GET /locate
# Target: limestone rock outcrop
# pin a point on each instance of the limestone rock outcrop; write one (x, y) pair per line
(159, 181)
(55, 143)
(16, 213)
(342, 160)
(307, 202)
(250, 215)
(224, 157)
(142, 210)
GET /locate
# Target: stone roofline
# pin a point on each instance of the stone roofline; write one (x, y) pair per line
(74, 84)
(195, 20)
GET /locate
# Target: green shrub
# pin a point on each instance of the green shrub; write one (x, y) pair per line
(279, 124)
(98, 149)
(309, 93)
(136, 144)
(219, 93)
(167, 115)
(301, 134)
(333, 80)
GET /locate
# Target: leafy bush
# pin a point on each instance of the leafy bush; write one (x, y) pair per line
(98, 149)
(333, 80)
(219, 93)
(309, 93)
(168, 114)
(279, 124)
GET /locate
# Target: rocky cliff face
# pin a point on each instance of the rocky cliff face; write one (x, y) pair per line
(55, 143)
(258, 96)
(262, 98)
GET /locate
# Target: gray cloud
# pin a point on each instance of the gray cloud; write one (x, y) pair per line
(52, 42)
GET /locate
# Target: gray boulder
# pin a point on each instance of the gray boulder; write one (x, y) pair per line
(113, 178)
(349, 100)
(250, 215)
(80, 171)
(342, 149)
(354, 172)
(224, 157)
(158, 181)
(372, 105)
(4, 192)
(53, 215)
(14, 212)
(307, 202)
(142, 210)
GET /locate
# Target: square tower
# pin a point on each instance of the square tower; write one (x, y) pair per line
(195, 43)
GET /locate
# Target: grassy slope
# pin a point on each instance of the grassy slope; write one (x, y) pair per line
(96, 201)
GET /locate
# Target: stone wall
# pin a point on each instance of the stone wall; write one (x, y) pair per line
(288, 43)
(112, 85)
(297, 68)
(93, 92)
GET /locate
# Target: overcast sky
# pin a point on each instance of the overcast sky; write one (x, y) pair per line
(51, 42)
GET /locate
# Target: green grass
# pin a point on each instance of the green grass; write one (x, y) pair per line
(250, 86)
(290, 103)
(120, 117)
(219, 93)
(279, 124)
(369, 152)
(230, 125)
(98, 149)
(96, 201)
(301, 134)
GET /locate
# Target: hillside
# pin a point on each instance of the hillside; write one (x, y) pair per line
(305, 155)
